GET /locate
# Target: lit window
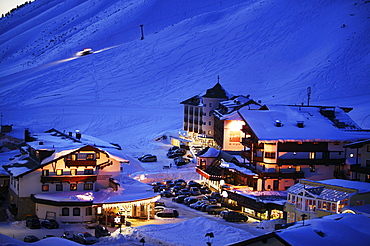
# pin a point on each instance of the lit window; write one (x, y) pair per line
(45, 187)
(73, 187)
(45, 172)
(59, 172)
(73, 171)
(90, 157)
(88, 186)
(312, 155)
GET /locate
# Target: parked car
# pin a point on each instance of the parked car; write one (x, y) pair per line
(192, 183)
(69, 235)
(175, 153)
(158, 209)
(46, 236)
(205, 190)
(101, 231)
(185, 192)
(234, 216)
(173, 148)
(179, 199)
(189, 200)
(85, 238)
(166, 193)
(180, 182)
(33, 223)
(50, 224)
(159, 204)
(30, 239)
(194, 191)
(168, 213)
(214, 209)
(181, 161)
(148, 158)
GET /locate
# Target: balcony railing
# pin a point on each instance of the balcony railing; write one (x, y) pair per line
(292, 175)
(311, 161)
(68, 178)
(79, 163)
(359, 169)
(207, 175)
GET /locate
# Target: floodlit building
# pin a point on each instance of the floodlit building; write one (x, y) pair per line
(285, 143)
(311, 199)
(73, 178)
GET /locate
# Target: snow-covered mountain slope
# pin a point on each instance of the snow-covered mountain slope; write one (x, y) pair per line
(129, 91)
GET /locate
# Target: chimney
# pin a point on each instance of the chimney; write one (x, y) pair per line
(78, 134)
(278, 123)
(300, 124)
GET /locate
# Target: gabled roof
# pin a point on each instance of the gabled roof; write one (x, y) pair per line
(59, 145)
(217, 91)
(358, 144)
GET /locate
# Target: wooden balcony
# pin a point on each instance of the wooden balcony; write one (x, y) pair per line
(68, 178)
(357, 168)
(80, 163)
(311, 161)
(207, 175)
(292, 175)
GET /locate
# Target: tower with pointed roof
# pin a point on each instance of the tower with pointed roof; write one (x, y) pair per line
(198, 111)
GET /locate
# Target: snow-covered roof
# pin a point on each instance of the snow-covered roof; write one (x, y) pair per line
(277, 197)
(316, 126)
(321, 190)
(244, 170)
(129, 190)
(61, 144)
(336, 229)
(209, 152)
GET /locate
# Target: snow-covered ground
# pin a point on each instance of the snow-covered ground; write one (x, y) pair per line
(129, 91)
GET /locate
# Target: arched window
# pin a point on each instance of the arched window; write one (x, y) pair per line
(65, 211)
(76, 211)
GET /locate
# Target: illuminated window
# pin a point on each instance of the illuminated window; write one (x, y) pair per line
(59, 172)
(73, 187)
(312, 155)
(298, 168)
(90, 157)
(45, 172)
(73, 171)
(270, 155)
(88, 186)
(45, 187)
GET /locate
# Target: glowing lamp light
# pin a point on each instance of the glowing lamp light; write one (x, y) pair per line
(224, 194)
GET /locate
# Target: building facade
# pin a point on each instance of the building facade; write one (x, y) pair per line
(60, 175)
(286, 143)
(359, 160)
(312, 199)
